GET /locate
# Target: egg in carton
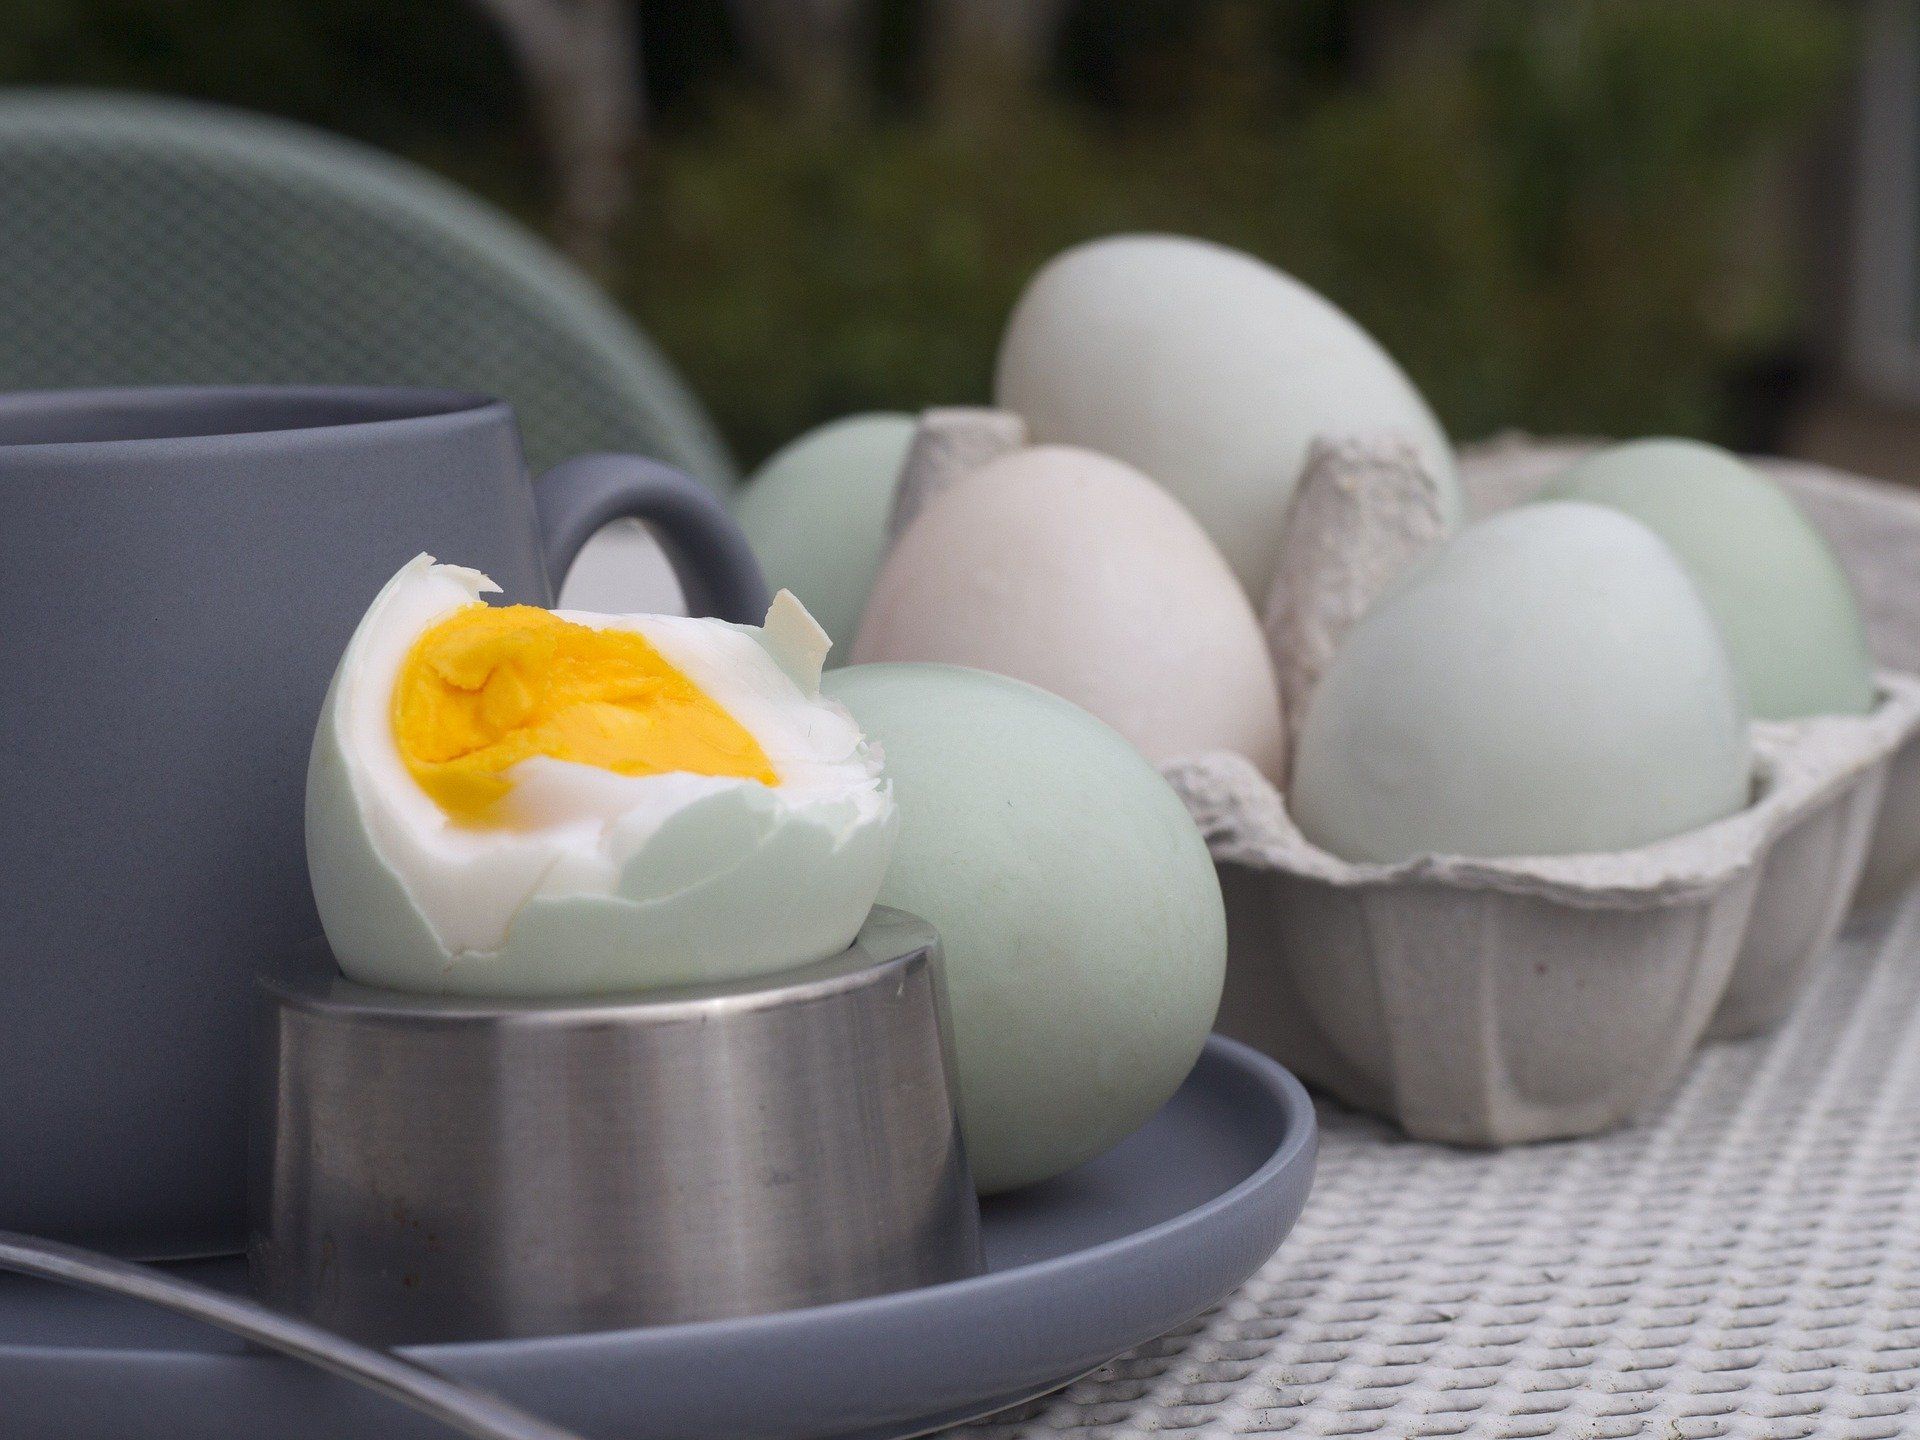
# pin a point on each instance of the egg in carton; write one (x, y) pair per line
(1364, 509)
(1488, 1002)
(1493, 1001)
(1874, 528)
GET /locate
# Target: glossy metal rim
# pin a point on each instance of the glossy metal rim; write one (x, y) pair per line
(888, 940)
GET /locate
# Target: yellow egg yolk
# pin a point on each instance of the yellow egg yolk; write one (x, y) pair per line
(491, 686)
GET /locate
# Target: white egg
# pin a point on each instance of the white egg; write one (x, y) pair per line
(553, 875)
(1208, 370)
(1548, 682)
(1078, 574)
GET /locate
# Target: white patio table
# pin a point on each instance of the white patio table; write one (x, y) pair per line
(1745, 1263)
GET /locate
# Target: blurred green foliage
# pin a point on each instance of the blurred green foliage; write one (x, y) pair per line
(1555, 215)
(1558, 214)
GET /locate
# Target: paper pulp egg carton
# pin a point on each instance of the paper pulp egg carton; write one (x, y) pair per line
(1493, 1001)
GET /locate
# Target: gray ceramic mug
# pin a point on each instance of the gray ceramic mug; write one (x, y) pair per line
(181, 569)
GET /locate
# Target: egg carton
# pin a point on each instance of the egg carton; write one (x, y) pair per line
(1487, 1002)
(1874, 528)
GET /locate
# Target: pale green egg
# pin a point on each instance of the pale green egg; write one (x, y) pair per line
(1773, 585)
(816, 515)
(1082, 921)
(1549, 682)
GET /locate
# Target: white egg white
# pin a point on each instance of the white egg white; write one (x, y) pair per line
(596, 881)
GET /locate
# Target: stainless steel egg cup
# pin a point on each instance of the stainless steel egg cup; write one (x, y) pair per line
(438, 1168)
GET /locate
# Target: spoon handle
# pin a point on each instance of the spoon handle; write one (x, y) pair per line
(470, 1411)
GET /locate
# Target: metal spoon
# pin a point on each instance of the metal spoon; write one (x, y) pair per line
(470, 1411)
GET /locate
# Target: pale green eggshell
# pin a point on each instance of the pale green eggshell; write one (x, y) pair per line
(1549, 682)
(1081, 917)
(363, 905)
(1776, 589)
(816, 514)
(726, 889)
(1209, 371)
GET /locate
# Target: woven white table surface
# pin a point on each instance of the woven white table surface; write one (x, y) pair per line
(1746, 1262)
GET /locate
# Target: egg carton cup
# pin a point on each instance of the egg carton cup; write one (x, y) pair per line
(1488, 1002)
(1873, 526)
(1835, 768)
(1362, 511)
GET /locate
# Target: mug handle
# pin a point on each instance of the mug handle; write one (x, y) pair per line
(709, 553)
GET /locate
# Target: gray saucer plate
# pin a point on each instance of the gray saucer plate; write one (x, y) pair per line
(1080, 1270)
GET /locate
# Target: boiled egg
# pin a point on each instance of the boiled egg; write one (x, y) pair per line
(510, 801)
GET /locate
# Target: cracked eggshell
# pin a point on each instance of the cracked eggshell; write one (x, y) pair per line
(611, 882)
(1208, 370)
(1076, 573)
(1547, 683)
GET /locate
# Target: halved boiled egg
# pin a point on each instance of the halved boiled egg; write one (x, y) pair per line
(510, 801)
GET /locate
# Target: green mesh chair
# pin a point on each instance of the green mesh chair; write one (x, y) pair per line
(146, 241)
